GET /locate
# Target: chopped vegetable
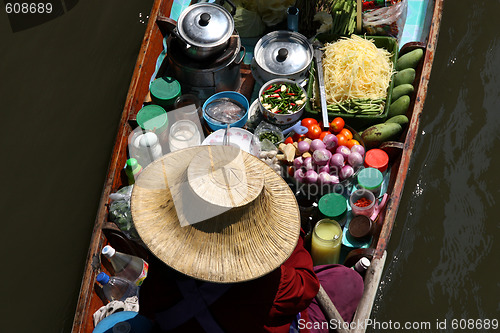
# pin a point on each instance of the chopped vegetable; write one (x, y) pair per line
(357, 75)
(270, 136)
(283, 98)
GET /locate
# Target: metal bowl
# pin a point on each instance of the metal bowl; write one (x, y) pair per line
(276, 118)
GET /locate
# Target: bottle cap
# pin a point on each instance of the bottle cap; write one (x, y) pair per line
(377, 158)
(333, 205)
(108, 251)
(133, 165)
(362, 264)
(152, 118)
(102, 278)
(165, 90)
(370, 178)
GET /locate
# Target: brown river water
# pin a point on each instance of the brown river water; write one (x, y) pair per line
(63, 85)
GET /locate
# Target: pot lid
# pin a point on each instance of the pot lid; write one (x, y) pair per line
(205, 25)
(283, 52)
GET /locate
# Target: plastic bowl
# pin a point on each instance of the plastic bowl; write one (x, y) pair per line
(226, 94)
(276, 118)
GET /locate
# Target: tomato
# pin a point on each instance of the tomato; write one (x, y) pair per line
(351, 143)
(342, 140)
(323, 134)
(306, 122)
(345, 132)
(314, 132)
(298, 137)
(337, 125)
(288, 140)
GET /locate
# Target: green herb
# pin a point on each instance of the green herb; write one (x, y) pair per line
(270, 136)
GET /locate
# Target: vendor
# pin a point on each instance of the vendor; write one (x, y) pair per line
(244, 270)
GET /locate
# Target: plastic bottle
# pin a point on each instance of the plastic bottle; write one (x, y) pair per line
(116, 288)
(362, 266)
(127, 266)
(132, 169)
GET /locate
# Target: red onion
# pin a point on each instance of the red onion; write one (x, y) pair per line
(346, 172)
(299, 175)
(344, 151)
(358, 149)
(317, 144)
(311, 177)
(337, 160)
(334, 179)
(330, 141)
(355, 159)
(303, 146)
(308, 163)
(298, 162)
(325, 178)
(324, 168)
(321, 156)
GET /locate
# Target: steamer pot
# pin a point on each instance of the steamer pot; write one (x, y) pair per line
(282, 54)
(220, 74)
(203, 29)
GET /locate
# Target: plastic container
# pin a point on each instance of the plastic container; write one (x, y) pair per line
(226, 94)
(153, 118)
(333, 206)
(127, 266)
(371, 179)
(362, 265)
(376, 158)
(164, 91)
(362, 196)
(116, 288)
(360, 228)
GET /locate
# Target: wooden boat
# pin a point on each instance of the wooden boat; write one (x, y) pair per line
(106, 232)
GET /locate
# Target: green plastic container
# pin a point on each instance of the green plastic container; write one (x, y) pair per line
(154, 118)
(164, 91)
(371, 179)
(357, 121)
(333, 206)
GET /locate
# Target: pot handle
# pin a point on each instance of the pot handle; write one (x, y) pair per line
(233, 7)
(168, 26)
(242, 48)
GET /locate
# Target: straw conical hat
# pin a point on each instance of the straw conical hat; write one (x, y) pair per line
(219, 176)
(238, 244)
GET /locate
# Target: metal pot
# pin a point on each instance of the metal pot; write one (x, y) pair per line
(203, 29)
(207, 77)
(282, 54)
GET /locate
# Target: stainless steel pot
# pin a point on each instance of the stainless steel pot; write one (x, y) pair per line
(203, 29)
(282, 54)
(223, 73)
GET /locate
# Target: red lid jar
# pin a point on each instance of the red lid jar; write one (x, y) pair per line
(377, 158)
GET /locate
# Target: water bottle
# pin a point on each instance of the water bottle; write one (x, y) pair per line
(127, 266)
(116, 288)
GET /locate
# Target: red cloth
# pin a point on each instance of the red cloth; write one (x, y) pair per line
(267, 304)
(344, 286)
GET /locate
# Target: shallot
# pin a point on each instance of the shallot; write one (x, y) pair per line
(303, 146)
(321, 156)
(317, 144)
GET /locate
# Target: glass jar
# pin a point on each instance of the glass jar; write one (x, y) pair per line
(326, 242)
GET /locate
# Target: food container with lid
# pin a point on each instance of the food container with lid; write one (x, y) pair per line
(282, 54)
(164, 91)
(204, 29)
(371, 179)
(230, 96)
(377, 158)
(333, 206)
(362, 202)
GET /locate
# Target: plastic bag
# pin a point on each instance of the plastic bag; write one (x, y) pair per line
(120, 214)
(386, 21)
